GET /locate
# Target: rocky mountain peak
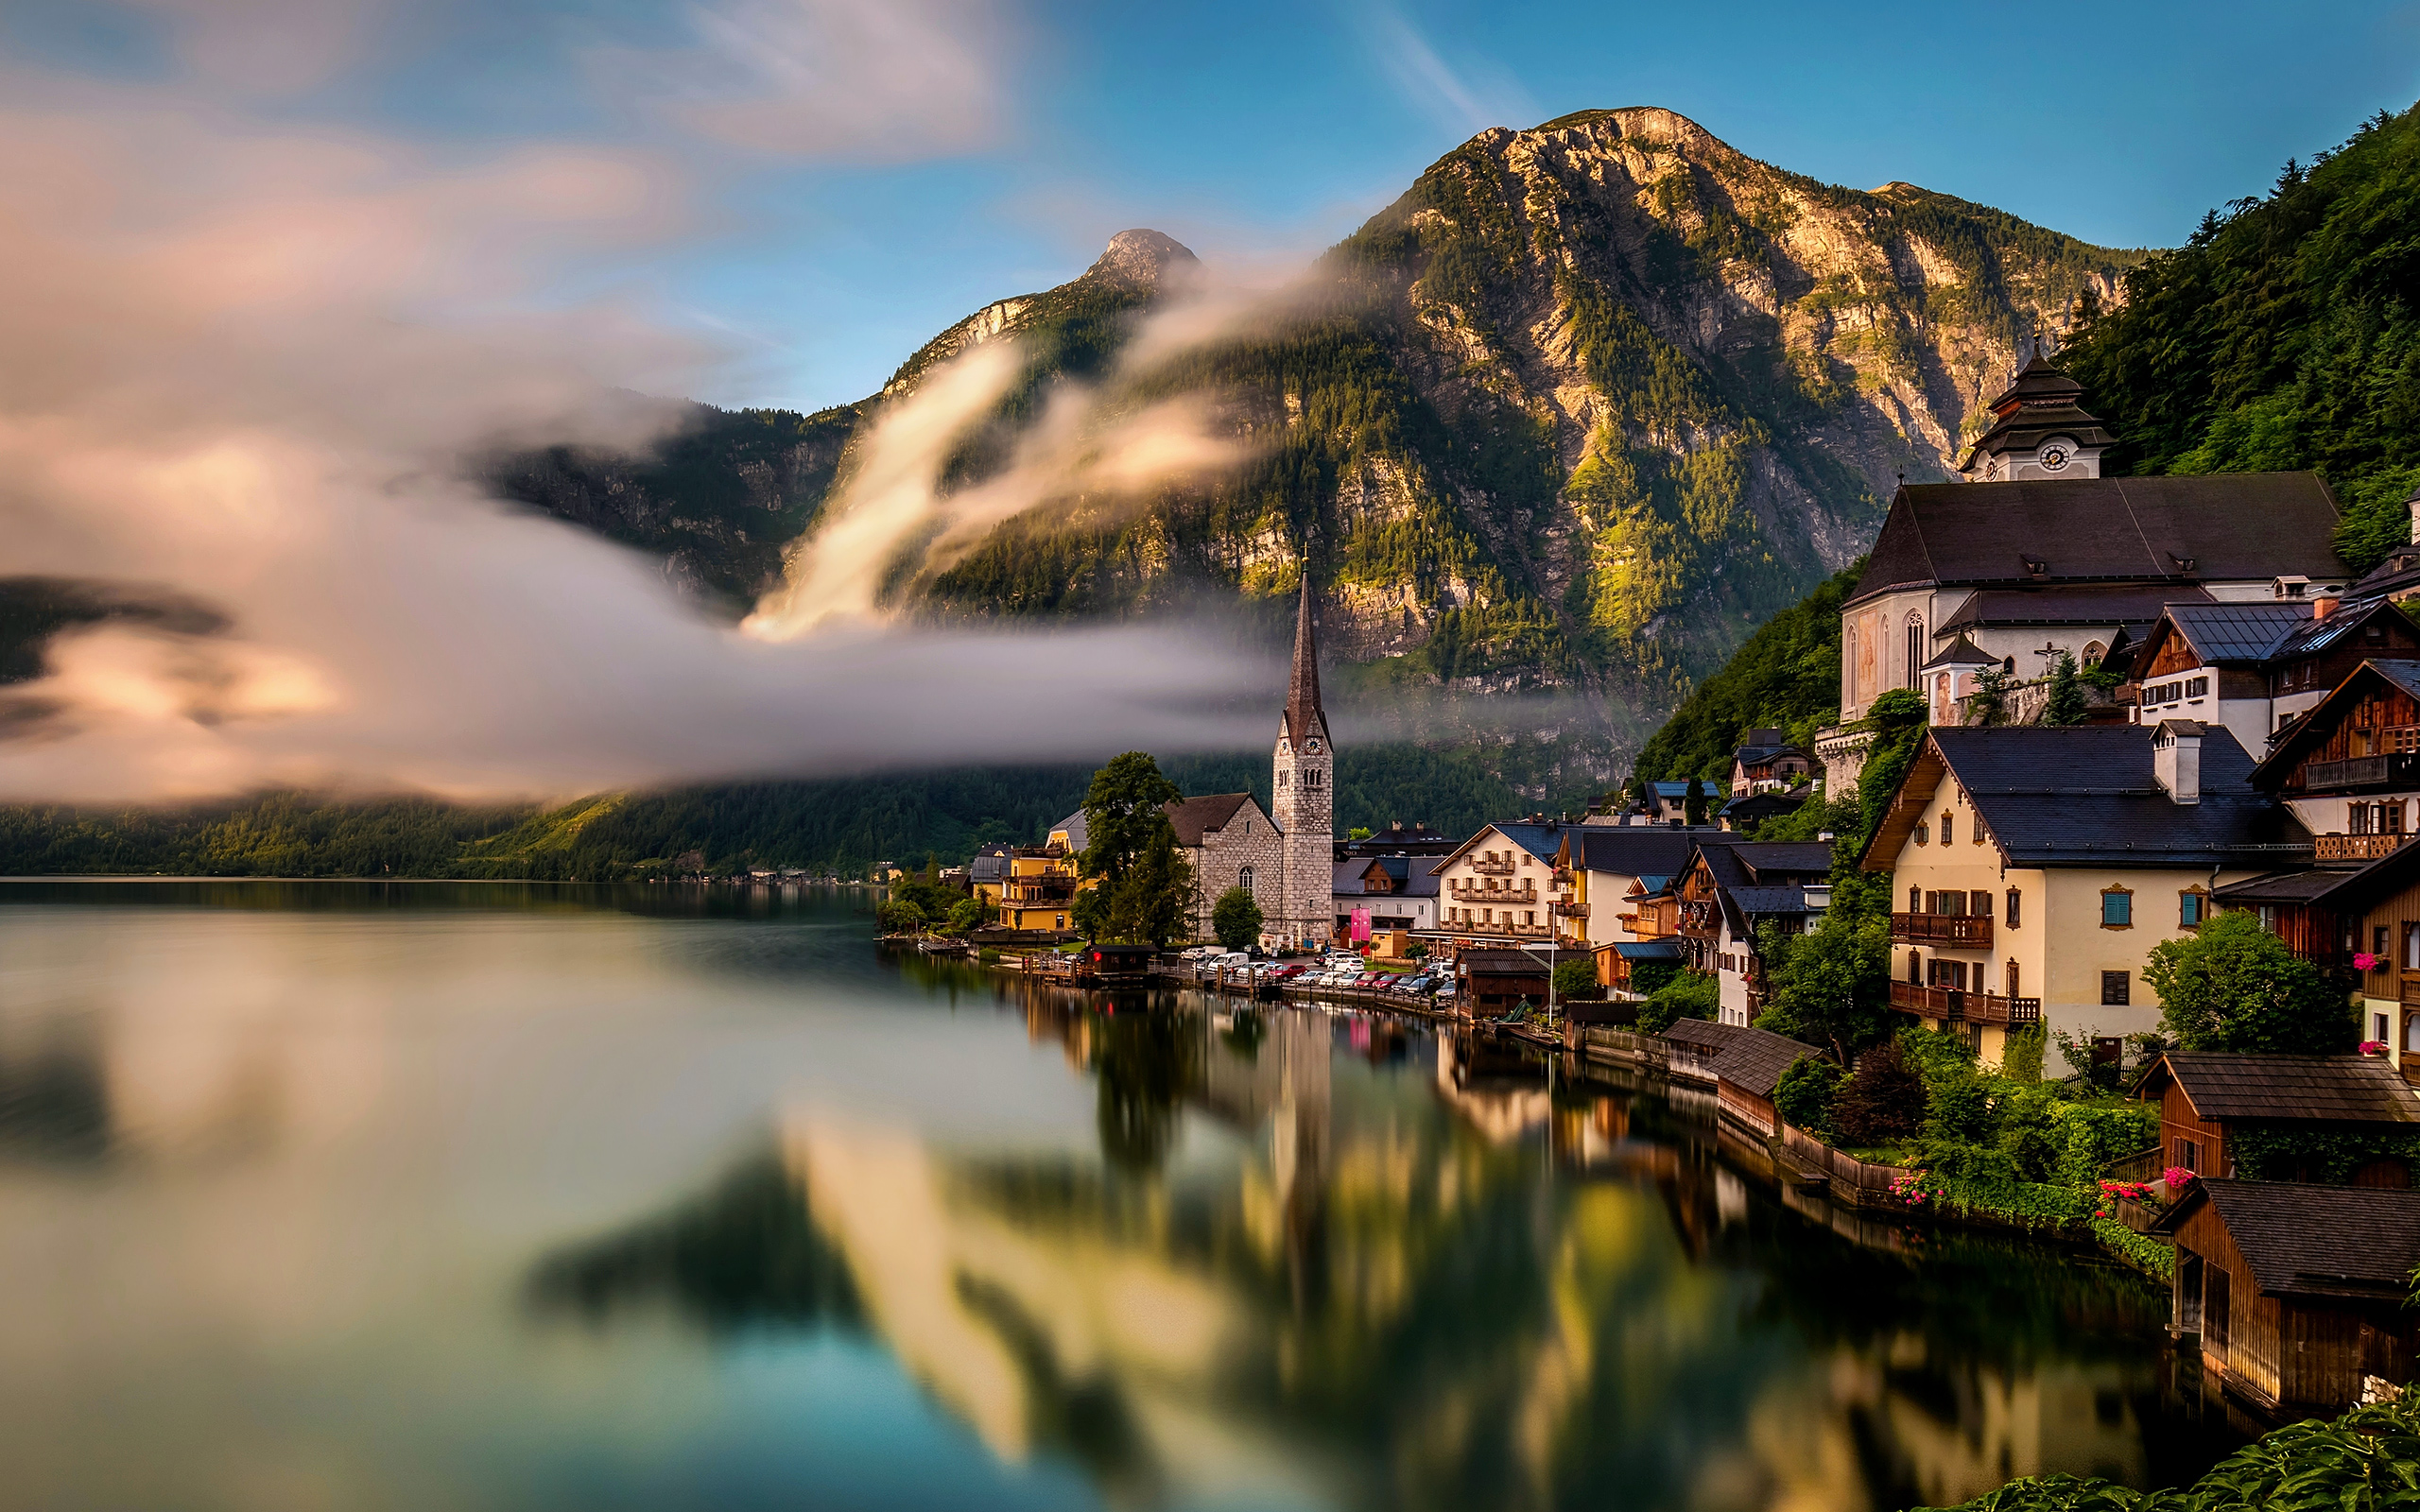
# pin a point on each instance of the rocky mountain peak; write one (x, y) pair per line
(1140, 258)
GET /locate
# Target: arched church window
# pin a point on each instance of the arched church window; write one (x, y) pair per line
(2093, 652)
(1243, 879)
(1915, 647)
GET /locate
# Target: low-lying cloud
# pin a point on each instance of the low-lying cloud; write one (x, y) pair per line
(244, 365)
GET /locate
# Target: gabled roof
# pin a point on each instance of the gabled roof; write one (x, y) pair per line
(1770, 861)
(2313, 1240)
(1630, 850)
(1540, 840)
(2248, 528)
(1502, 962)
(2086, 795)
(2299, 1088)
(1193, 818)
(2318, 635)
(1410, 874)
(1772, 903)
(2293, 743)
(1646, 950)
(1701, 1034)
(2234, 634)
(1755, 1059)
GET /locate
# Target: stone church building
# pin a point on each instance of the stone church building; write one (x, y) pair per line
(1287, 862)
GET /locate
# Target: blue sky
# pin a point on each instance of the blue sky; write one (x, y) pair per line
(864, 172)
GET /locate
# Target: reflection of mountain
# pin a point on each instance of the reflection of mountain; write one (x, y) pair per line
(1374, 1303)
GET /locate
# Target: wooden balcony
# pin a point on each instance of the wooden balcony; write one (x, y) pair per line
(1954, 1006)
(1492, 868)
(1571, 910)
(1960, 931)
(2355, 847)
(2392, 769)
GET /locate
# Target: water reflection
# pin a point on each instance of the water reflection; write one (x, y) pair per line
(1393, 1294)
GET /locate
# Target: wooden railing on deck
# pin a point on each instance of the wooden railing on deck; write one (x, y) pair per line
(1963, 1007)
(1966, 930)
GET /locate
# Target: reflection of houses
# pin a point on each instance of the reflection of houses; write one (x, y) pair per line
(2297, 1291)
(2208, 1099)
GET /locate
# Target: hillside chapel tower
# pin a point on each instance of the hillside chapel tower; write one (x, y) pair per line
(1305, 795)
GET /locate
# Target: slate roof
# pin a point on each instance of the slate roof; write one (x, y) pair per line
(2313, 1240)
(1633, 850)
(2237, 526)
(2286, 886)
(1079, 836)
(1411, 875)
(1701, 1034)
(1193, 818)
(2301, 1089)
(1962, 653)
(2078, 604)
(2085, 795)
(1540, 840)
(1503, 962)
(1770, 860)
(989, 866)
(2317, 635)
(1765, 903)
(1752, 1060)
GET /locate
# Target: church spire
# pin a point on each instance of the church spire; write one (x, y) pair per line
(1305, 718)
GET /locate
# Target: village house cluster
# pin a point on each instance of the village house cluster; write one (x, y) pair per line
(2241, 731)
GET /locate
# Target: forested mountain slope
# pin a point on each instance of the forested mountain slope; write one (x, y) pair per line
(2286, 334)
(1580, 410)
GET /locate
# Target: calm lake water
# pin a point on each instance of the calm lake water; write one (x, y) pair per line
(339, 1195)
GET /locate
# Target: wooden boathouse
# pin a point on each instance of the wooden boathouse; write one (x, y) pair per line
(2296, 1290)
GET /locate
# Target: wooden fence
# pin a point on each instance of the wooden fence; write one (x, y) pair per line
(1866, 1185)
(2141, 1166)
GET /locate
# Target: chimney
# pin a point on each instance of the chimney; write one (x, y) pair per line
(2323, 606)
(2176, 759)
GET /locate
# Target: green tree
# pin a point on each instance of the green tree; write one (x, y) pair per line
(894, 916)
(1089, 913)
(1576, 977)
(1803, 1096)
(1830, 985)
(2233, 985)
(1988, 703)
(2065, 704)
(969, 914)
(1122, 815)
(1693, 801)
(1234, 920)
(1884, 1099)
(1152, 902)
(1688, 995)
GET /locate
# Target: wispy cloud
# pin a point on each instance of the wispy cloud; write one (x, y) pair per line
(882, 81)
(1466, 100)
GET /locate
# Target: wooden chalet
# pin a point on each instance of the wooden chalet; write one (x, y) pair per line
(2207, 1097)
(1766, 762)
(2350, 769)
(2296, 1292)
(2254, 667)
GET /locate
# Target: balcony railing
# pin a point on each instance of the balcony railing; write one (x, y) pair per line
(1475, 893)
(1493, 869)
(1954, 1006)
(2355, 847)
(2399, 768)
(1966, 931)
(1572, 910)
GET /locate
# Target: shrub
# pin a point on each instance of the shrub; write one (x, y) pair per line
(1883, 1100)
(1577, 978)
(1688, 995)
(1651, 976)
(2021, 1056)
(1958, 1106)
(1805, 1091)
(899, 918)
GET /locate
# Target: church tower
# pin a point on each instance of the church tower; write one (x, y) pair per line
(1305, 793)
(2039, 430)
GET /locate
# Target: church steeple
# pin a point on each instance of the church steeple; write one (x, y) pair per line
(1305, 718)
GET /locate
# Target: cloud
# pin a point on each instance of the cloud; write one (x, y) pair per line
(244, 365)
(881, 80)
(1454, 98)
(267, 46)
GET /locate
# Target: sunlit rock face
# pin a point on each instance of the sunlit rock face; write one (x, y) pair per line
(1581, 409)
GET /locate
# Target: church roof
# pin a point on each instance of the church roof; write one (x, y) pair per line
(2181, 531)
(1961, 653)
(2039, 402)
(1193, 818)
(1303, 715)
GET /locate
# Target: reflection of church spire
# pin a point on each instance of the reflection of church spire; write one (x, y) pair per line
(1303, 715)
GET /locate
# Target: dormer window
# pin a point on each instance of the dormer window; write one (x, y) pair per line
(2292, 586)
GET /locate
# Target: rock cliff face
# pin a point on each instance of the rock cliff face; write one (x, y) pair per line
(1578, 411)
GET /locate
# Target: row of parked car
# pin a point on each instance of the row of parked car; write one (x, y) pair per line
(1337, 972)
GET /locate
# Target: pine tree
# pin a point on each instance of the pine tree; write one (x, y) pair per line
(2065, 705)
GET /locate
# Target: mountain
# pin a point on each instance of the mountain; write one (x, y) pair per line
(1577, 411)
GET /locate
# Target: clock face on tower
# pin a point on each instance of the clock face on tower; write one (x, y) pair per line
(1310, 747)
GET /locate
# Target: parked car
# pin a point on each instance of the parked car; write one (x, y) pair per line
(1445, 992)
(1416, 986)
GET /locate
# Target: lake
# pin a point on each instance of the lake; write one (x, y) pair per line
(439, 1196)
